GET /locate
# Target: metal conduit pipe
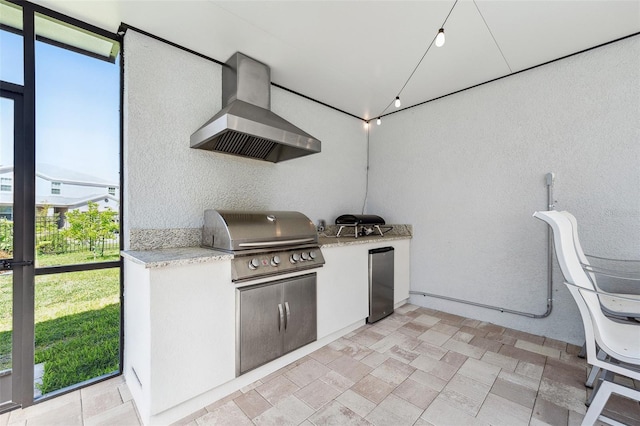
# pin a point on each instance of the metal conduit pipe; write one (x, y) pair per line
(549, 179)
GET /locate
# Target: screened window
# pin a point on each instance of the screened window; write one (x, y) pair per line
(6, 184)
(55, 188)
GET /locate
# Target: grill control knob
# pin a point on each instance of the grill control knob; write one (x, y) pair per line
(255, 262)
(295, 257)
(275, 260)
(305, 256)
(312, 254)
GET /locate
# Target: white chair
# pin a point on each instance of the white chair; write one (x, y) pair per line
(622, 305)
(619, 340)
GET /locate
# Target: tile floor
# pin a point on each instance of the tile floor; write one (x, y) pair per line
(416, 367)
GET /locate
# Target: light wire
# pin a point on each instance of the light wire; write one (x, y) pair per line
(420, 61)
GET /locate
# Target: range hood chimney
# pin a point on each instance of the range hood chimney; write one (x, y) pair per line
(246, 126)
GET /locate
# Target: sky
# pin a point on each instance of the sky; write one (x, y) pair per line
(77, 108)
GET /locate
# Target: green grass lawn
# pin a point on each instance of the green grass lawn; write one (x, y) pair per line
(77, 317)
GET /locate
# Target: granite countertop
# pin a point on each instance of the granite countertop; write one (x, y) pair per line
(176, 256)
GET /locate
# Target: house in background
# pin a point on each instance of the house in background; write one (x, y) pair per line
(61, 190)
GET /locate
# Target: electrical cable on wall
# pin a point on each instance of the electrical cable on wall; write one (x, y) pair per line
(366, 188)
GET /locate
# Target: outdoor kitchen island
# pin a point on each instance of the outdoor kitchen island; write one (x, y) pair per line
(180, 319)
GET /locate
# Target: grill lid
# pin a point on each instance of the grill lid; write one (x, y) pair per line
(230, 230)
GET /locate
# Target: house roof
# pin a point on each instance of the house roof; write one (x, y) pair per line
(55, 173)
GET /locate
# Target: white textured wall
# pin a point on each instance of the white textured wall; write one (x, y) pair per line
(468, 171)
(169, 94)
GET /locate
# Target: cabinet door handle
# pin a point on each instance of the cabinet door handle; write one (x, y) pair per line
(281, 317)
(288, 311)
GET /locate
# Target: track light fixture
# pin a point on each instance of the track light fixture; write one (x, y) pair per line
(440, 38)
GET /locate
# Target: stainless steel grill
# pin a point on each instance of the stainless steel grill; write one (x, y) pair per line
(264, 243)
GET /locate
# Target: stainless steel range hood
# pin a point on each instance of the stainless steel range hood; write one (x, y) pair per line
(246, 126)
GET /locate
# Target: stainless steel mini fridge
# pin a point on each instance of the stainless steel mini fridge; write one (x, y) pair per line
(380, 283)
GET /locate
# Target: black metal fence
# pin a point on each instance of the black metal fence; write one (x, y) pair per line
(50, 238)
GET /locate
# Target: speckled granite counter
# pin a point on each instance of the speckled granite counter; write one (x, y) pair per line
(187, 255)
(175, 256)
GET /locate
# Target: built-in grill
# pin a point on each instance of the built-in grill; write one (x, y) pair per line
(264, 243)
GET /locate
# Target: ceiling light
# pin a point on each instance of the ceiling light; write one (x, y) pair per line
(378, 121)
(397, 103)
(440, 38)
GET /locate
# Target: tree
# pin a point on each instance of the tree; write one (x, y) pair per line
(92, 227)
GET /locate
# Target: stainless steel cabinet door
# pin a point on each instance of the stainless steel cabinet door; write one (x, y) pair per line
(300, 311)
(381, 286)
(261, 326)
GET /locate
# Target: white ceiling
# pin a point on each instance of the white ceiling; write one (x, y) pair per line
(356, 55)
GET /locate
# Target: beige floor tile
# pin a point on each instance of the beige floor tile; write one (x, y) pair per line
(434, 367)
(433, 351)
(223, 401)
(100, 387)
(44, 407)
(325, 355)
(125, 393)
(306, 372)
(367, 337)
(454, 359)
(523, 355)
(486, 344)
(480, 371)
(66, 415)
(277, 389)
(413, 329)
(467, 393)
(539, 349)
(289, 411)
(316, 394)
(356, 403)
(533, 371)
(441, 412)
(463, 337)
(375, 358)
(401, 354)
(522, 335)
(252, 404)
(566, 373)
(464, 348)
(121, 415)
(395, 339)
(372, 388)
(427, 320)
(191, 418)
(96, 403)
(445, 328)
(519, 379)
(501, 338)
(504, 362)
(434, 337)
(228, 414)
(350, 348)
(393, 372)
(429, 380)
(501, 412)
(548, 413)
(557, 344)
(563, 395)
(350, 368)
(416, 393)
(394, 411)
(515, 393)
(4, 419)
(337, 414)
(337, 380)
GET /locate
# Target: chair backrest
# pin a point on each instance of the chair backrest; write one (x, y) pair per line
(579, 251)
(620, 340)
(566, 252)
